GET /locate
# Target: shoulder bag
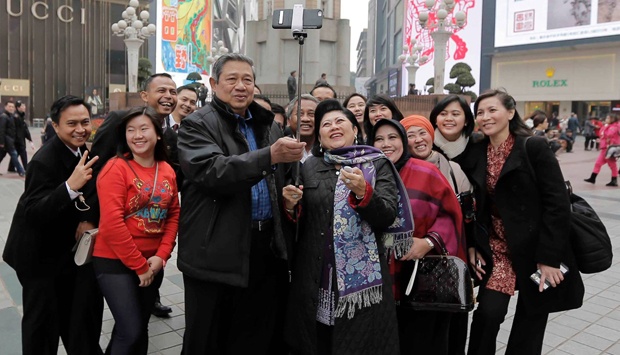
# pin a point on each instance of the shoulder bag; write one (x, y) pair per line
(588, 236)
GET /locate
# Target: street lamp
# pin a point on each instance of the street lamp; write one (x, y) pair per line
(412, 61)
(443, 30)
(216, 53)
(135, 30)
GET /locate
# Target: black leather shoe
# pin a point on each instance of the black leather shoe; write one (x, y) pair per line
(159, 310)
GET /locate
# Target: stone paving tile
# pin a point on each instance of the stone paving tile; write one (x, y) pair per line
(175, 350)
(176, 323)
(615, 349)
(604, 332)
(576, 348)
(159, 327)
(593, 341)
(561, 330)
(553, 340)
(166, 340)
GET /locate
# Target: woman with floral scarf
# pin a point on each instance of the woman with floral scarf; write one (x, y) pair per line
(349, 202)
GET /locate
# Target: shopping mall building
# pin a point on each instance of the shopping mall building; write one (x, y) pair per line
(50, 48)
(553, 55)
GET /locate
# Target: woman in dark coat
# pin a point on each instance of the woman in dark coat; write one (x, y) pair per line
(341, 298)
(523, 225)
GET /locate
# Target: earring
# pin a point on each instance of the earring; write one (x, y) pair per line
(320, 148)
(355, 140)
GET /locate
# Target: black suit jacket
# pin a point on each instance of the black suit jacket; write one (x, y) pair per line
(42, 233)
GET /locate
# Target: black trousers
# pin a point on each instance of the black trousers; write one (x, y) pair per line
(431, 333)
(131, 307)
(223, 319)
(527, 332)
(66, 305)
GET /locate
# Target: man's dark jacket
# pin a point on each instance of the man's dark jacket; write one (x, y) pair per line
(43, 229)
(21, 130)
(216, 214)
(7, 131)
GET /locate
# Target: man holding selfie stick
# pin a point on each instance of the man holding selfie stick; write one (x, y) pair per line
(232, 250)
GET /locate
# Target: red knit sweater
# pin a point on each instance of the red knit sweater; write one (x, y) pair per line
(151, 231)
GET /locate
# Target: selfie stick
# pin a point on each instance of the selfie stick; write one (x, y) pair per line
(297, 27)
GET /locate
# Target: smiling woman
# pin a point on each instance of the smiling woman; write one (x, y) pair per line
(137, 229)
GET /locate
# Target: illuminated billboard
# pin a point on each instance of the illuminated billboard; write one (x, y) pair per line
(521, 22)
(463, 46)
(183, 37)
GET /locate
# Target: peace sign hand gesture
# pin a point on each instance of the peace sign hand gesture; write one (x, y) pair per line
(82, 173)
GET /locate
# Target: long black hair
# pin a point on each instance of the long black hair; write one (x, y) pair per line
(380, 99)
(469, 116)
(321, 110)
(516, 125)
(123, 150)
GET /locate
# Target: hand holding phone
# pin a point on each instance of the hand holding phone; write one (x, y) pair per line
(537, 276)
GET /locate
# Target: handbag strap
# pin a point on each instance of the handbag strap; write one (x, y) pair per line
(152, 190)
(439, 244)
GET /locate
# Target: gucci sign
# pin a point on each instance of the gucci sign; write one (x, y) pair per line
(41, 11)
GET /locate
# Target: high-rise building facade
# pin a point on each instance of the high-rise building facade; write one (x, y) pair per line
(276, 52)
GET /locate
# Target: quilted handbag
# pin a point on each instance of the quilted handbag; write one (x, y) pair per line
(440, 283)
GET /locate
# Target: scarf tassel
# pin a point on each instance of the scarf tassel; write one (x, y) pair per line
(398, 244)
(359, 300)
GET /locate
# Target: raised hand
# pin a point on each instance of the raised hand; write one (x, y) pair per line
(82, 172)
(287, 150)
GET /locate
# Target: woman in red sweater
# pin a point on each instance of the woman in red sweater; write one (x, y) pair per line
(139, 205)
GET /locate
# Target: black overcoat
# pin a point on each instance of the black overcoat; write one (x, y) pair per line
(536, 216)
(42, 232)
(373, 330)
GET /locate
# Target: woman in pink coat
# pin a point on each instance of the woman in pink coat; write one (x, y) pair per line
(609, 135)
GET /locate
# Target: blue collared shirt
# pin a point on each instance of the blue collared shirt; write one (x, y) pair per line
(261, 202)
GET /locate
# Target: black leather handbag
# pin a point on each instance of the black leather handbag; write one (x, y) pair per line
(440, 283)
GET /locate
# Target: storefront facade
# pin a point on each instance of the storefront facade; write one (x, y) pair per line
(548, 60)
(53, 48)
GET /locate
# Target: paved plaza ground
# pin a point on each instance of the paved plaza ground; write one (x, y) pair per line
(592, 329)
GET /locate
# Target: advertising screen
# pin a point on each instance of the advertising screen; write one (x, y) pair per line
(183, 37)
(519, 22)
(463, 46)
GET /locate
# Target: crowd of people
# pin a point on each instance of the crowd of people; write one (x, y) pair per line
(297, 231)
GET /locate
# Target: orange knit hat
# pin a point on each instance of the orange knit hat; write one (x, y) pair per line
(418, 121)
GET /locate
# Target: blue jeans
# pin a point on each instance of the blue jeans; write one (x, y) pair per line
(14, 159)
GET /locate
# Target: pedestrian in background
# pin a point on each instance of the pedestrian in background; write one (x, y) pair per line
(522, 212)
(8, 136)
(608, 135)
(22, 132)
(291, 85)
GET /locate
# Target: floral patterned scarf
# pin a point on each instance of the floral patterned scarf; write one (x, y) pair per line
(358, 269)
